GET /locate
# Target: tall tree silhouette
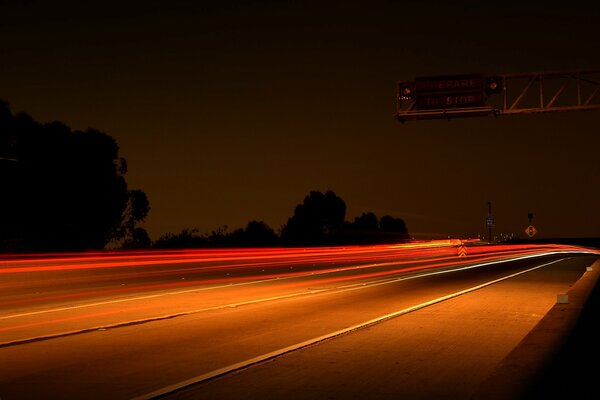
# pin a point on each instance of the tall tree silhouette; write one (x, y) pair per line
(316, 220)
(256, 234)
(394, 229)
(65, 190)
(366, 222)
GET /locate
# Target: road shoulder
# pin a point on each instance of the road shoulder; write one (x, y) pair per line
(533, 370)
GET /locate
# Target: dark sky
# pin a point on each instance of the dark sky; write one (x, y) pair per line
(231, 111)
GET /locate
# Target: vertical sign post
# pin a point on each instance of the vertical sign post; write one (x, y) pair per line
(489, 222)
(530, 231)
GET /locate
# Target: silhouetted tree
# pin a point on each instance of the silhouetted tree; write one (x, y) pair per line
(260, 234)
(187, 238)
(366, 222)
(364, 229)
(316, 220)
(137, 239)
(135, 212)
(256, 234)
(390, 224)
(66, 190)
(395, 229)
(219, 237)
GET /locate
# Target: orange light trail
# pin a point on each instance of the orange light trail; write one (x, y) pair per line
(40, 293)
(239, 266)
(220, 260)
(258, 256)
(58, 320)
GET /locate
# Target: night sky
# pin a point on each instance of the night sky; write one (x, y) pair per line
(232, 111)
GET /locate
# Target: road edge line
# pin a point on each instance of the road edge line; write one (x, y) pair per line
(311, 342)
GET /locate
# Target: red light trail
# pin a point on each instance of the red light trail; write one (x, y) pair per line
(49, 284)
(227, 296)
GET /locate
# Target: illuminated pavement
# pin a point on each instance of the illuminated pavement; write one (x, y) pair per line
(140, 324)
(445, 351)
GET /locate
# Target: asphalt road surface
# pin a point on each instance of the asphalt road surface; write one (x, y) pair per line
(415, 321)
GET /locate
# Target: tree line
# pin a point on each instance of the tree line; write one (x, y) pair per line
(318, 221)
(66, 190)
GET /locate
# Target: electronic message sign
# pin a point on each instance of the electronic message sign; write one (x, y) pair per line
(441, 92)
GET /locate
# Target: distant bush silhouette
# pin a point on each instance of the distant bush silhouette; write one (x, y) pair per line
(187, 238)
(366, 222)
(63, 189)
(393, 229)
(256, 234)
(368, 229)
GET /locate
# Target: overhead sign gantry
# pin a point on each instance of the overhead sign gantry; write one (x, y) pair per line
(472, 95)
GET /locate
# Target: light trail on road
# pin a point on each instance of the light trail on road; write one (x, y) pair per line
(174, 388)
(143, 272)
(301, 294)
(246, 257)
(37, 287)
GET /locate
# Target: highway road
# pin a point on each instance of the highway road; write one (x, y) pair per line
(421, 319)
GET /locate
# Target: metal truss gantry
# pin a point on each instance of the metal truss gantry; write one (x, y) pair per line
(524, 93)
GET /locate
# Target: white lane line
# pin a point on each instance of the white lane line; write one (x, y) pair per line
(333, 290)
(171, 293)
(151, 319)
(277, 353)
(151, 296)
